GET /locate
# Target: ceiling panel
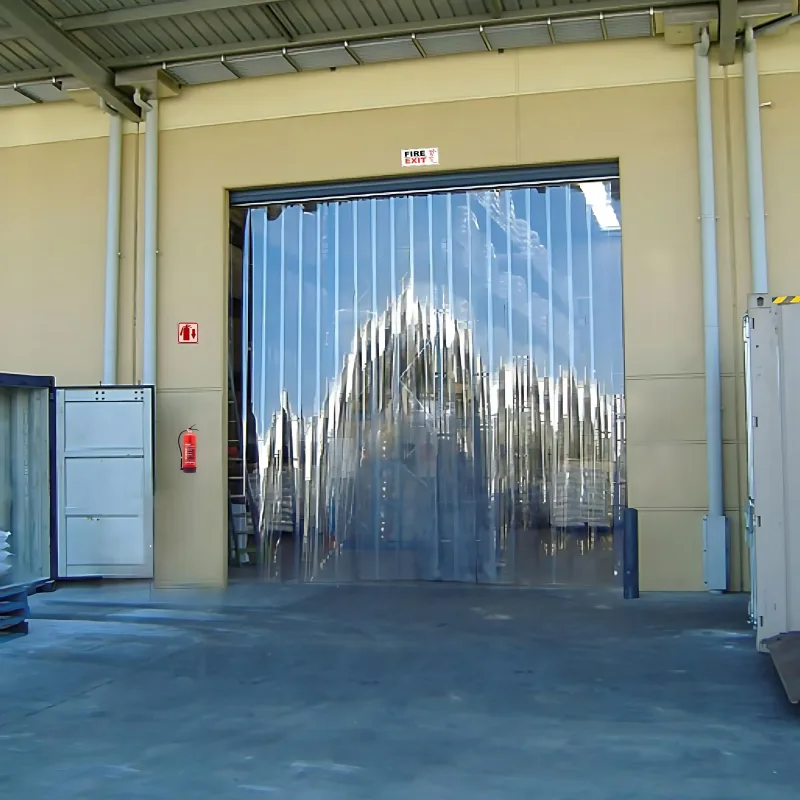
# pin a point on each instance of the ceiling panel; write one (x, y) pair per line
(626, 26)
(321, 58)
(446, 44)
(379, 50)
(577, 30)
(102, 44)
(58, 9)
(202, 72)
(409, 10)
(49, 92)
(260, 65)
(62, 9)
(308, 17)
(507, 37)
(19, 55)
(10, 97)
(375, 30)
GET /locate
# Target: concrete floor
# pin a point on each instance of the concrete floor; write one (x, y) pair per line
(395, 692)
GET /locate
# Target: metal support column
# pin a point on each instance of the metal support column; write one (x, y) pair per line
(755, 174)
(715, 524)
(111, 325)
(149, 346)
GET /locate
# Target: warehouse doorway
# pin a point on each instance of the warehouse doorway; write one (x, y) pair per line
(426, 379)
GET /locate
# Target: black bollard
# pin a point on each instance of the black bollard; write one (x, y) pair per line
(630, 554)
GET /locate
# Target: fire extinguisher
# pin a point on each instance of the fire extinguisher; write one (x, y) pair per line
(187, 445)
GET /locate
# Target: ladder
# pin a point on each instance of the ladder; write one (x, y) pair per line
(243, 488)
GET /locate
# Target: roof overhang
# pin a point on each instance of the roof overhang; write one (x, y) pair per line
(49, 53)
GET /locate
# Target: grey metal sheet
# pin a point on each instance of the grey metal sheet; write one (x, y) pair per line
(785, 652)
(324, 16)
(544, 5)
(190, 31)
(210, 28)
(259, 21)
(260, 65)
(201, 72)
(628, 26)
(145, 37)
(241, 25)
(237, 30)
(577, 30)
(317, 16)
(364, 14)
(409, 9)
(507, 37)
(451, 9)
(299, 22)
(445, 44)
(102, 44)
(59, 9)
(381, 50)
(49, 92)
(322, 58)
(10, 97)
(17, 55)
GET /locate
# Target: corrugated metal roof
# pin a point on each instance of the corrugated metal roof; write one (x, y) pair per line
(171, 34)
(294, 35)
(325, 16)
(59, 9)
(19, 55)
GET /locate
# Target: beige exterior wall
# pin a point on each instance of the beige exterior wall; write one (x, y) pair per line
(570, 103)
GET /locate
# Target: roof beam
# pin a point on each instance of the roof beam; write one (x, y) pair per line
(728, 27)
(32, 24)
(7, 33)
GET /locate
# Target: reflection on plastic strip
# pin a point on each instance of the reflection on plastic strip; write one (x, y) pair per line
(431, 449)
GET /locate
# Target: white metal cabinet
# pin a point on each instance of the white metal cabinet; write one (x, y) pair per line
(105, 482)
(772, 337)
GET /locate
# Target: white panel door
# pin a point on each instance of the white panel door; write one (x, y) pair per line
(105, 482)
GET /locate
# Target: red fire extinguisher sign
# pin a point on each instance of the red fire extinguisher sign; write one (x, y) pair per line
(187, 444)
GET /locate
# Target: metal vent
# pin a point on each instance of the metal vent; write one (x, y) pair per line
(577, 30)
(628, 26)
(50, 92)
(374, 52)
(9, 96)
(260, 66)
(448, 44)
(201, 72)
(507, 37)
(72, 85)
(321, 57)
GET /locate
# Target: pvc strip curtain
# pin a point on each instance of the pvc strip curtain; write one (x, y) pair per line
(437, 385)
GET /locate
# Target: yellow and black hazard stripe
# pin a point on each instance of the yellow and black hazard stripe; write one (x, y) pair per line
(786, 299)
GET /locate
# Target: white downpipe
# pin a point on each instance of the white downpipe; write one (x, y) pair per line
(708, 234)
(715, 526)
(755, 170)
(149, 344)
(111, 322)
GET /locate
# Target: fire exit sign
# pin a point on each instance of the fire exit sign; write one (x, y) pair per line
(419, 157)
